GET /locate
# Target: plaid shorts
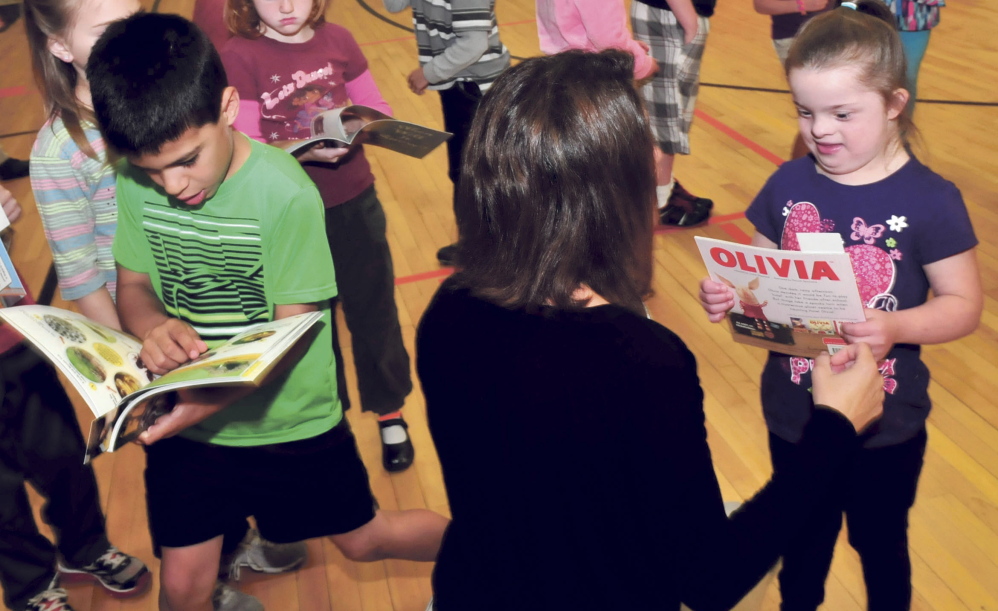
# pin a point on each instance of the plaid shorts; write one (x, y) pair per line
(671, 93)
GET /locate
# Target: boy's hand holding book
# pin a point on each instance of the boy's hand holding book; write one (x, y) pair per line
(171, 344)
(193, 405)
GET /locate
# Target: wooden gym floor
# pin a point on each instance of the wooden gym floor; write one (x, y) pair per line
(743, 129)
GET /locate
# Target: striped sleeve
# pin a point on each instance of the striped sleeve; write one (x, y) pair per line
(75, 196)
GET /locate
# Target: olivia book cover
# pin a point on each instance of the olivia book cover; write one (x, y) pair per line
(787, 301)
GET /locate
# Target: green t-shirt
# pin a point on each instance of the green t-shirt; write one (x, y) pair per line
(258, 242)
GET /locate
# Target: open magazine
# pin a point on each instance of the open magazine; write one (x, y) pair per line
(339, 127)
(787, 301)
(104, 366)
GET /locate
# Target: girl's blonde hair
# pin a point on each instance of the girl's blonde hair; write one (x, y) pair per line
(242, 19)
(45, 19)
(865, 38)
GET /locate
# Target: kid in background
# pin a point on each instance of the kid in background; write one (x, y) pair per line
(908, 231)
(218, 232)
(676, 33)
(40, 443)
(590, 25)
(73, 183)
(460, 55)
(787, 17)
(915, 20)
(276, 42)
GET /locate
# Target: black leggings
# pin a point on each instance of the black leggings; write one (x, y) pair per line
(875, 497)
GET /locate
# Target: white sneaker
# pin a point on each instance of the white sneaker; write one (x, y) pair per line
(227, 598)
(262, 556)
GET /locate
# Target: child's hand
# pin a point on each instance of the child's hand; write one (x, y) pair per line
(10, 206)
(324, 154)
(878, 331)
(716, 299)
(170, 345)
(193, 405)
(417, 81)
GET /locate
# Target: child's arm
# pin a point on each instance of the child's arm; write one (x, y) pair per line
(717, 298)
(785, 7)
(605, 22)
(686, 15)
(952, 312)
(167, 342)
(69, 221)
(197, 404)
(471, 42)
(363, 90)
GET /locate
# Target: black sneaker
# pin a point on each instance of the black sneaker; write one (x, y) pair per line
(116, 571)
(52, 598)
(14, 168)
(396, 456)
(685, 209)
(447, 255)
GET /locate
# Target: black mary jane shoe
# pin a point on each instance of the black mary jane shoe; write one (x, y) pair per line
(396, 457)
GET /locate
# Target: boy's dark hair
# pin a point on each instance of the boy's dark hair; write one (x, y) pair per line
(558, 184)
(152, 78)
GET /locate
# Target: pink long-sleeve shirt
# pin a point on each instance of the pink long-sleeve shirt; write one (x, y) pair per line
(590, 25)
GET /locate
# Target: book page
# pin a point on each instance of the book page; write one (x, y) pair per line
(102, 364)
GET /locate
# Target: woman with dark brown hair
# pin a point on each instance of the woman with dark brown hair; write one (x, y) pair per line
(570, 427)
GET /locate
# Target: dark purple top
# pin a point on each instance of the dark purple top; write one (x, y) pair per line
(296, 81)
(891, 229)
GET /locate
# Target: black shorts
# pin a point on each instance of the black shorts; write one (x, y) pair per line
(295, 490)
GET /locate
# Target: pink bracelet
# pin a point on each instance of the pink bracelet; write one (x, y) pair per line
(800, 7)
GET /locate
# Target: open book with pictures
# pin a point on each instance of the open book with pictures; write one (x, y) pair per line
(103, 365)
(786, 300)
(341, 127)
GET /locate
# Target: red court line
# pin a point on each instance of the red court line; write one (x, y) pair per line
(736, 233)
(9, 92)
(436, 273)
(743, 140)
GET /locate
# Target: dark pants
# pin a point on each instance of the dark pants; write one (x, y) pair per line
(357, 236)
(875, 496)
(40, 442)
(459, 104)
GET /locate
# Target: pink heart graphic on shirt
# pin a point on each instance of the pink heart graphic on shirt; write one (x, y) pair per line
(873, 267)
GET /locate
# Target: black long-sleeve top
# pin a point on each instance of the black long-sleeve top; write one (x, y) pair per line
(576, 463)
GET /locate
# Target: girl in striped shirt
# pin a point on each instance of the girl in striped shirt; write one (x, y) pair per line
(71, 177)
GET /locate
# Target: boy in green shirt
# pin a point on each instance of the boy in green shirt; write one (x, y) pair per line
(216, 233)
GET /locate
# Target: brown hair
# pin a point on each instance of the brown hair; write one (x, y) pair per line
(557, 186)
(865, 38)
(44, 19)
(242, 19)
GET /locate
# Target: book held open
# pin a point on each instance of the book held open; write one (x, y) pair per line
(340, 127)
(103, 365)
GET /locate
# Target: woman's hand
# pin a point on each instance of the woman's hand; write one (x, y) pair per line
(850, 383)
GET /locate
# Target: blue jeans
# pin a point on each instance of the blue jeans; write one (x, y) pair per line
(915, 44)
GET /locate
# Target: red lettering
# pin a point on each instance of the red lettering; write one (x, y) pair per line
(801, 269)
(782, 268)
(743, 264)
(761, 265)
(823, 270)
(722, 257)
